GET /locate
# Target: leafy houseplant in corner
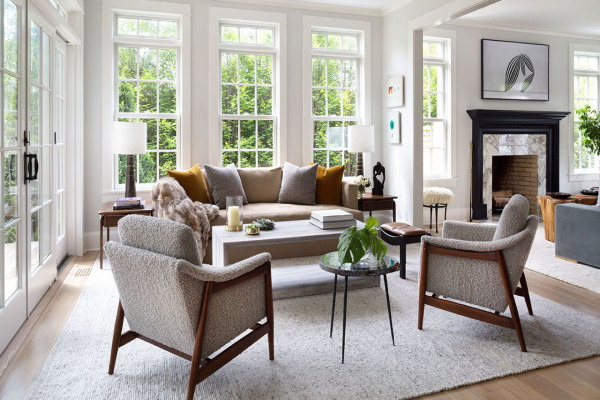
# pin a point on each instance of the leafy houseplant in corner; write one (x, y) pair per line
(589, 125)
(355, 243)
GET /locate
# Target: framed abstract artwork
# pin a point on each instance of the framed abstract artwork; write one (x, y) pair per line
(393, 126)
(394, 91)
(514, 70)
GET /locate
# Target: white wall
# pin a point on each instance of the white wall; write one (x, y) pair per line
(200, 89)
(468, 96)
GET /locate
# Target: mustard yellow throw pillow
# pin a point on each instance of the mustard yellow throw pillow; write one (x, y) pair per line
(329, 185)
(193, 183)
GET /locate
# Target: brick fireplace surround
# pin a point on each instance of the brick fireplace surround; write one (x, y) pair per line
(518, 174)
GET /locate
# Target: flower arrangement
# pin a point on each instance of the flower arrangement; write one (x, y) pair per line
(355, 243)
(363, 183)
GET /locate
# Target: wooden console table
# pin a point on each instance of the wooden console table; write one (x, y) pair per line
(547, 204)
(109, 218)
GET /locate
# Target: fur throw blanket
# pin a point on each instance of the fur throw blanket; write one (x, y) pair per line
(173, 203)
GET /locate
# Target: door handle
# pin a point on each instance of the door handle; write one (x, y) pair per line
(32, 167)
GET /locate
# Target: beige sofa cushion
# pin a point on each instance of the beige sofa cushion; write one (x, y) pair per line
(261, 185)
(281, 212)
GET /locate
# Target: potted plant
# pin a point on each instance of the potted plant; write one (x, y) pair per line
(589, 126)
(355, 243)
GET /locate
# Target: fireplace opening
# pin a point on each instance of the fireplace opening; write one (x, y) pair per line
(514, 175)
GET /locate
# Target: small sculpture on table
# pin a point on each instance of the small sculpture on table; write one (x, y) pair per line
(378, 169)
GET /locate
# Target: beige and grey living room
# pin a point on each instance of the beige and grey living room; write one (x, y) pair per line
(300, 199)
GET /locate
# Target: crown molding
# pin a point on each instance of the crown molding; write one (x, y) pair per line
(362, 11)
(518, 28)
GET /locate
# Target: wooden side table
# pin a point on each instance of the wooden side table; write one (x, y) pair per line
(109, 218)
(548, 204)
(372, 202)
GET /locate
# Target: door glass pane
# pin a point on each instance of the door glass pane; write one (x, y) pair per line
(11, 40)
(35, 52)
(60, 225)
(44, 230)
(60, 166)
(46, 59)
(11, 90)
(11, 276)
(59, 73)
(35, 241)
(45, 173)
(34, 126)
(10, 186)
(46, 118)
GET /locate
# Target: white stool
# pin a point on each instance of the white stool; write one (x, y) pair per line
(436, 197)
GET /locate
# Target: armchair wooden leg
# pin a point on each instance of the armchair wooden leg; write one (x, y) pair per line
(269, 308)
(422, 285)
(526, 293)
(199, 344)
(116, 338)
(511, 299)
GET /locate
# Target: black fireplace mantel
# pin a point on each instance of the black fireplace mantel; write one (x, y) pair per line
(490, 122)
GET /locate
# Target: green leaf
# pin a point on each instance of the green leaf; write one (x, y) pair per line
(354, 243)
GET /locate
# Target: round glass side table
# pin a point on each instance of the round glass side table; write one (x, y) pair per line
(368, 266)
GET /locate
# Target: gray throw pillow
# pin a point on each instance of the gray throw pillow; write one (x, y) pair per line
(224, 182)
(298, 184)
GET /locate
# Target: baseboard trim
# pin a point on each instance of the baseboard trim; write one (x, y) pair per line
(91, 240)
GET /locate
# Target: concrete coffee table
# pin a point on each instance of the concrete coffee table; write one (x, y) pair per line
(290, 239)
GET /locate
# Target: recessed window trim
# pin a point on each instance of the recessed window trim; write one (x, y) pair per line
(575, 172)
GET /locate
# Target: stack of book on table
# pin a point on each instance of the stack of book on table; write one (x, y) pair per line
(128, 203)
(332, 219)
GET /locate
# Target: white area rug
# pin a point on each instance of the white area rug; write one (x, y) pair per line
(451, 351)
(542, 260)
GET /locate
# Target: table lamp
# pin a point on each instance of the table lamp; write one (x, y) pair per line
(361, 139)
(129, 138)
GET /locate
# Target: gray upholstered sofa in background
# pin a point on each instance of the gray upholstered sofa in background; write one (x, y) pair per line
(577, 233)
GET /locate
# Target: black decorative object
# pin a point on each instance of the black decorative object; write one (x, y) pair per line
(514, 70)
(512, 122)
(378, 169)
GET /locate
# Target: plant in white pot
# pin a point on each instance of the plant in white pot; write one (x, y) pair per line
(589, 125)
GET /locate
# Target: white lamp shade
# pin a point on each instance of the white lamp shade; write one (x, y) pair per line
(361, 138)
(129, 138)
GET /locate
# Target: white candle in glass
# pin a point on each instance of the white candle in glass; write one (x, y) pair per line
(233, 216)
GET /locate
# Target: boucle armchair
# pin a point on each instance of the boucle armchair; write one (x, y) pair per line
(174, 302)
(480, 264)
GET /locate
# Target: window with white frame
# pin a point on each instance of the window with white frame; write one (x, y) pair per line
(337, 60)
(247, 114)
(586, 75)
(147, 53)
(436, 87)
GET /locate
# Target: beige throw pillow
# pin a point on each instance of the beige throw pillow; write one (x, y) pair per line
(261, 185)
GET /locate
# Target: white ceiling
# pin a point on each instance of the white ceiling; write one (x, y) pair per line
(573, 17)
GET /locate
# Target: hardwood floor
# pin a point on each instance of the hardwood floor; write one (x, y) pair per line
(574, 380)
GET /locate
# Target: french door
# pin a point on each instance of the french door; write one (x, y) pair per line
(32, 150)
(39, 153)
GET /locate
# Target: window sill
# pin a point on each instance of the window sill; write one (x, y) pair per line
(445, 182)
(583, 177)
(111, 195)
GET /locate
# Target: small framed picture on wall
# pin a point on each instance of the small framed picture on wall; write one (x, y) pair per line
(514, 70)
(393, 126)
(394, 91)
